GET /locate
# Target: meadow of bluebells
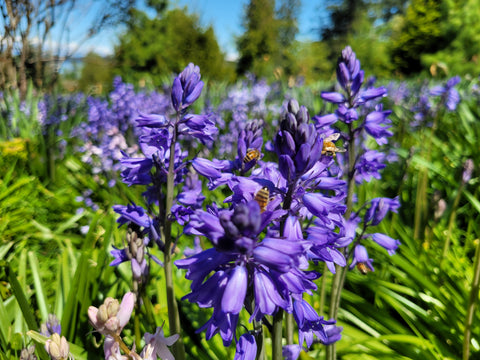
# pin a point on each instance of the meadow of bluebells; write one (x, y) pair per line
(254, 201)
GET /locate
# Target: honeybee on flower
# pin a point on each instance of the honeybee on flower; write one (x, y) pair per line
(329, 148)
(262, 197)
(252, 155)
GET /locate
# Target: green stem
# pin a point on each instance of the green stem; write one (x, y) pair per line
(277, 335)
(289, 322)
(341, 272)
(130, 353)
(259, 339)
(323, 288)
(289, 327)
(138, 336)
(173, 315)
(421, 202)
(472, 303)
(451, 222)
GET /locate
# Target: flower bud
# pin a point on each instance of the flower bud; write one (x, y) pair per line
(293, 106)
(28, 353)
(112, 307)
(57, 347)
(112, 316)
(467, 170)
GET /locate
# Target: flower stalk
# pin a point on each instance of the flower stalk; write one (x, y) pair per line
(472, 303)
(173, 315)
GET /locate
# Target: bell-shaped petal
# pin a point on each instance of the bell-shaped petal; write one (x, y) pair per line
(126, 308)
(235, 291)
(333, 97)
(246, 348)
(286, 167)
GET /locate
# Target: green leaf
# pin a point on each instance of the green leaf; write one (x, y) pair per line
(473, 200)
(42, 303)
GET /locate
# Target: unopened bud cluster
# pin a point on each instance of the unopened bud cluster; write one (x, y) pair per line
(136, 252)
(28, 353)
(297, 144)
(107, 315)
(57, 347)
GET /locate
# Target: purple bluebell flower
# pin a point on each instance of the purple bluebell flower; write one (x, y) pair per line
(246, 348)
(360, 117)
(187, 87)
(321, 205)
(133, 213)
(120, 256)
(450, 95)
(51, 326)
(368, 166)
(291, 352)
(379, 207)
(351, 77)
(374, 125)
(243, 102)
(249, 145)
(237, 258)
(201, 127)
(360, 256)
(297, 144)
(309, 323)
(111, 125)
(333, 332)
(197, 248)
(385, 241)
(189, 199)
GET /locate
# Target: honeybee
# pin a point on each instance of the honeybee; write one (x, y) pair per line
(262, 197)
(329, 147)
(363, 268)
(252, 154)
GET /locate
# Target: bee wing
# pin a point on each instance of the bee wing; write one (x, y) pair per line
(340, 149)
(332, 137)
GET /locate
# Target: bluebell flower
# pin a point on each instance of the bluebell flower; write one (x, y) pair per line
(119, 255)
(333, 332)
(201, 127)
(291, 352)
(310, 324)
(297, 145)
(357, 107)
(385, 241)
(238, 257)
(186, 88)
(246, 348)
(158, 343)
(51, 326)
(375, 125)
(368, 166)
(450, 95)
(133, 213)
(360, 258)
(197, 248)
(350, 77)
(379, 207)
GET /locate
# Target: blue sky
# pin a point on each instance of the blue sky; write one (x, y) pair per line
(226, 18)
